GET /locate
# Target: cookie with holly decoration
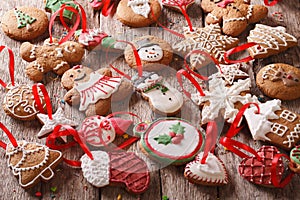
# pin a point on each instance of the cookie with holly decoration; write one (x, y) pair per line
(170, 140)
(24, 23)
(295, 159)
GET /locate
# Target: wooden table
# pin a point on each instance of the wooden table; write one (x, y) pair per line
(167, 181)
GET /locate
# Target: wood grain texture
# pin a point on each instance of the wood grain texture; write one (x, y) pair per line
(165, 180)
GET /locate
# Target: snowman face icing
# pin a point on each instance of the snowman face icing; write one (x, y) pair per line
(151, 53)
(140, 7)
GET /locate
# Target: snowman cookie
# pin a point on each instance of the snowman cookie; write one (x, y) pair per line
(153, 52)
(162, 98)
(169, 140)
(89, 89)
(138, 13)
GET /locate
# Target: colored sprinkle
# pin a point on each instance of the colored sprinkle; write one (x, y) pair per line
(62, 101)
(119, 197)
(53, 189)
(125, 136)
(38, 194)
(165, 197)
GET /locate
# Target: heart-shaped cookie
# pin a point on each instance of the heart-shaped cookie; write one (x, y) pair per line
(259, 171)
(212, 173)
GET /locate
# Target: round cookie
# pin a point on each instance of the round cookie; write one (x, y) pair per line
(280, 81)
(24, 23)
(138, 13)
(295, 159)
(153, 51)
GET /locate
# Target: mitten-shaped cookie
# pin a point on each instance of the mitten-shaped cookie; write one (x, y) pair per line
(162, 98)
(234, 15)
(50, 57)
(89, 89)
(116, 168)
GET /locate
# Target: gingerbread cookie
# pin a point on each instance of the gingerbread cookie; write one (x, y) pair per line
(153, 52)
(208, 39)
(54, 5)
(211, 173)
(19, 102)
(89, 89)
(170, 140)
(234, 15)
(50, 57)
(100, 131)
(177, 4)
(223, 99)
(116, 168)
(24, 23)
(274, 124)
(295, 159)
(271, 40)
(32, 162)
(162, 98)
(138, 13)
(233, 72)
(281, 81)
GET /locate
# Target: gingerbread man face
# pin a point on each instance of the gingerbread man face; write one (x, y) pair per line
(233, 15)
(50, 57)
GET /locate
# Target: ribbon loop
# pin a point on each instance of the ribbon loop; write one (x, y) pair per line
(10, 137)
(236, 50)
(271, 3)
(275, 179)
(11, 66)
(46, 98)
(210, 139)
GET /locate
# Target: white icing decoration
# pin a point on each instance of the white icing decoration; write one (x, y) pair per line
(97, 171)
(212, 16)
(291, 137)
(17, 169)
(59, 53)
(89, 36)
(230, 72)
(89, 131)
(288, 115)
(151, 53)
(269, 38)
(212, 171)
(249, 11)
(33, 51)
(187, 145)
(222, 98)
(140, 7)
(279, 129)
(16, 98)
(58, 66)
(38, 66)
(96, 88)
(209, 39)
(49, 125)
(234, 19)
(259, 124)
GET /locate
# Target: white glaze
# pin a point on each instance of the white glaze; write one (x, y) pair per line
(140, 7)
(230, 72)
(97, 171)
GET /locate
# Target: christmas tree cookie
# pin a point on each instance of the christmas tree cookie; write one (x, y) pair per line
(24, 23)
(54, 5)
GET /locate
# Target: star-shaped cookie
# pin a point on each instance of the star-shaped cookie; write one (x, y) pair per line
(49, 124)
(208, 39)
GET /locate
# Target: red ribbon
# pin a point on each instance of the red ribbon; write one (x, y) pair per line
(71, 31)
(210, 139)
(272, 3)
(10, 137)
(68, 130)
(224, 3)
(11, 66)
(187, 74)
(46, 98)
(274, 178)
(238, 49)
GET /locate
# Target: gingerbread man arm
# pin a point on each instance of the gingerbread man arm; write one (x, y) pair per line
(259, 12)
(72, 51)
(72, 97)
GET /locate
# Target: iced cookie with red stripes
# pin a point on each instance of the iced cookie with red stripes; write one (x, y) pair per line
(119, 168)
(170, 140)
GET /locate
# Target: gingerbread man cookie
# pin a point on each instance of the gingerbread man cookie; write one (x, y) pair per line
(24, 23)
(50, 57)
(89, 89)
(234, 15)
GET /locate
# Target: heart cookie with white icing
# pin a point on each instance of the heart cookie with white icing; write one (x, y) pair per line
(212, 173)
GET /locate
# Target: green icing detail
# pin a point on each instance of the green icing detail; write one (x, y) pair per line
(108, 42)
(295, 155)
(54, 5)
(177, 128)
(78, 33)
(159, 86)
(163, 139)
(23, 19)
